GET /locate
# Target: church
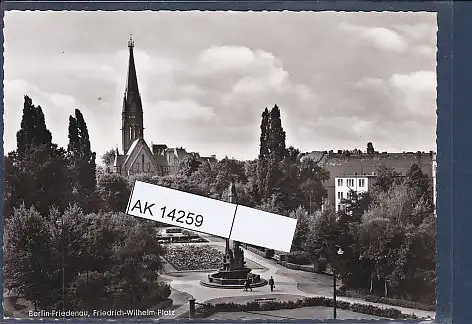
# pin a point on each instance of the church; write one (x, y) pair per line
(136, 155)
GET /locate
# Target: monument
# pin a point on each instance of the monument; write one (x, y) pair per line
(233, 273)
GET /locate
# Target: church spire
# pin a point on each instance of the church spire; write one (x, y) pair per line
(132, 114)
(132, 80)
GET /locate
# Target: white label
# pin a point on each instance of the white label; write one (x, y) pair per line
(181, 209)
(263, 229)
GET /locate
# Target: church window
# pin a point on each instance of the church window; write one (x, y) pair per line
(137, 166)
(142, 160)
(149, 166)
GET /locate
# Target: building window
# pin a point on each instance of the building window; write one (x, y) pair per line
(361, 183)
(340, 182)
(349, 195)
(137, 167)
(350, 182)
(142, 161)
(340, 195)
(149, 166)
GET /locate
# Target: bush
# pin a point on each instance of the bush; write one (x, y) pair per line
(269, 253)
(382, 300)
(194, 257)
(209, 309)
(298, 257)
(161, 291)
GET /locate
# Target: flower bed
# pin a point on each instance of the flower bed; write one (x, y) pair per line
(388, 301)
(181, 239)
(194, 257)
(203, 311)
(173, 230)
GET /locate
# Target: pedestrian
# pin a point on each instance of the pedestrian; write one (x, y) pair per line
(271, 283)
(247, 284)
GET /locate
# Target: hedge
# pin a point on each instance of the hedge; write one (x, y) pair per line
(388, 301)
(255, 250)
(299, 257)
(205, 310)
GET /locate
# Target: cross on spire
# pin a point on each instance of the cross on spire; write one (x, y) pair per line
(131, 41)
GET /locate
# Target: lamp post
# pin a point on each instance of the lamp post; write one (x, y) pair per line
(87, 251)
(339, 252)
(61, 224)
(311, 193)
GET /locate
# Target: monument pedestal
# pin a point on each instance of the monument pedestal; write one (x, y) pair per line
(234, 273)
(233, 279)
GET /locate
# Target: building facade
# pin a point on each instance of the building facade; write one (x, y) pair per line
(345, 185)
(136, 156)
(343, 165)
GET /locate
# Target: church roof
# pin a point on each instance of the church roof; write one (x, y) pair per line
(130, 156)
(133, 146)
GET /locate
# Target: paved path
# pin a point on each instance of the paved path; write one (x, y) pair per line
(287, 282)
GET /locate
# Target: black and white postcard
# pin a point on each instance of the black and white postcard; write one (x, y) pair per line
(293, 155)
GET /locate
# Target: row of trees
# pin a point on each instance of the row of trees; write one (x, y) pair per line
(387, 234)
(278, 181)
(40, 175)
(62, 226)
(110, 261)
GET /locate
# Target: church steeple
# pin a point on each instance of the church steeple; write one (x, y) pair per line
(132, 114)
(132, 80)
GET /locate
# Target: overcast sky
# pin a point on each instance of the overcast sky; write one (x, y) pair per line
(340, 79)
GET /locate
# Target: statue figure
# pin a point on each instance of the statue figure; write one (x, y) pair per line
(231, 259)
(238, 256)
(225, 263)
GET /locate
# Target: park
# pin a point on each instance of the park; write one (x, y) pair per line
(69, 245)
(292, 286)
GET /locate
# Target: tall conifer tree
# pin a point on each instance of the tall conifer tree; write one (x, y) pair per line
(81, 158)
(272, 151)
(277, 135)
(264, 148)
(37, 173)
(33, 131)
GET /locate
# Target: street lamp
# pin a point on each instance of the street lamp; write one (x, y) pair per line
(90, 222)
(61, 224)
(339, 252)
(311, 193)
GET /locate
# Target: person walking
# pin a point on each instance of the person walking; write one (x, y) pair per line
(247, 284)
(271, 283)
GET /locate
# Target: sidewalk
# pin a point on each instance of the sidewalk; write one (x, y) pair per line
(288, 282)
(417, 312)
